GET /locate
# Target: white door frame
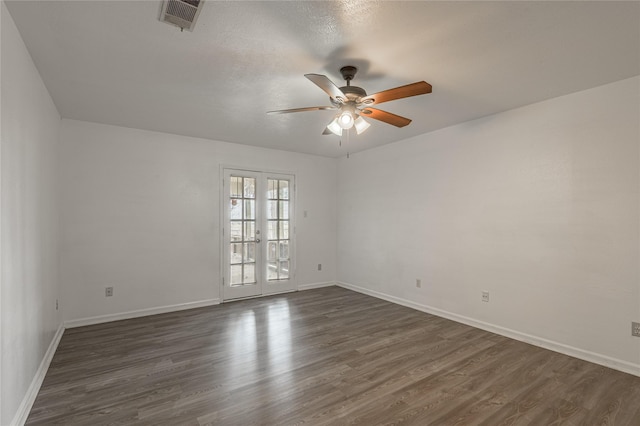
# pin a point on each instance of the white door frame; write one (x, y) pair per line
(263, 286)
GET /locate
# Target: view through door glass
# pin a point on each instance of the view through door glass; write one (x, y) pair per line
(242, 229)
(278, 261)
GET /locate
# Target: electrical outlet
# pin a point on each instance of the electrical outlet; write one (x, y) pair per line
(319, 266)
(56, 304)
(635, 329)
(418, 283)
(108, 291)
(485, 296)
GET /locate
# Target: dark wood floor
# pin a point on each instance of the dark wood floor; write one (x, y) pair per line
(320, 357)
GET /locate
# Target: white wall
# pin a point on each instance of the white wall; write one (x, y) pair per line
(140, 212)
(29, 284)
(538, 205)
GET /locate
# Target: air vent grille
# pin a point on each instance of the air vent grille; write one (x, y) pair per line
(181, 13)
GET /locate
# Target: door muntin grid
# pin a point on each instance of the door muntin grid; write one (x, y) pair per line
(278, 229)
(243, 233)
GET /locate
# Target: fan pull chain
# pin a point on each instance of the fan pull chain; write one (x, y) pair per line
(347, 141)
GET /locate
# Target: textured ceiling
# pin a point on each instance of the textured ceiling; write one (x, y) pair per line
(114, 62)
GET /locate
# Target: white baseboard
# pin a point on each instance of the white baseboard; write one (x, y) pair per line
(139, 313)
(302, 287)
(616, 364)
(24, 409)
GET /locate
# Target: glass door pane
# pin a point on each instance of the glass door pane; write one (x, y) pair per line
(242, 253)
(242, 246)
(278, 225)
(278, 250)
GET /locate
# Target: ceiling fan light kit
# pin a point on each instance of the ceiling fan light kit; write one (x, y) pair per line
(346, 120)
(334, 127)
(361, 125)
(352, 102)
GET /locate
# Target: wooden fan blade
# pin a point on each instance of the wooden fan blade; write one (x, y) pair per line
(287, 111)
(323, 82)
(414, 89)
(385, 116)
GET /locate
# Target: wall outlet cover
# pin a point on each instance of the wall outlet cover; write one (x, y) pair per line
(635, 329)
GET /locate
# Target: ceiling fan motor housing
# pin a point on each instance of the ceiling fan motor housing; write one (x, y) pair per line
(353, 93)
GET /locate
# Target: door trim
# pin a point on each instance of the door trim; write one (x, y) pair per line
(268, 173)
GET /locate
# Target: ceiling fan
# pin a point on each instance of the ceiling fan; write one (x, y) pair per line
(353, 103)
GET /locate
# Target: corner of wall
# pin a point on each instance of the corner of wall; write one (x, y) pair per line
(29, 234)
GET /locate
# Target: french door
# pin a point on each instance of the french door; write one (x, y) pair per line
(258, 243)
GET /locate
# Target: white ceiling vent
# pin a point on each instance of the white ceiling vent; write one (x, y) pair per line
(181, 13)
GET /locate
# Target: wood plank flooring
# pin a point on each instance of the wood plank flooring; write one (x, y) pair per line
(320, 357)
